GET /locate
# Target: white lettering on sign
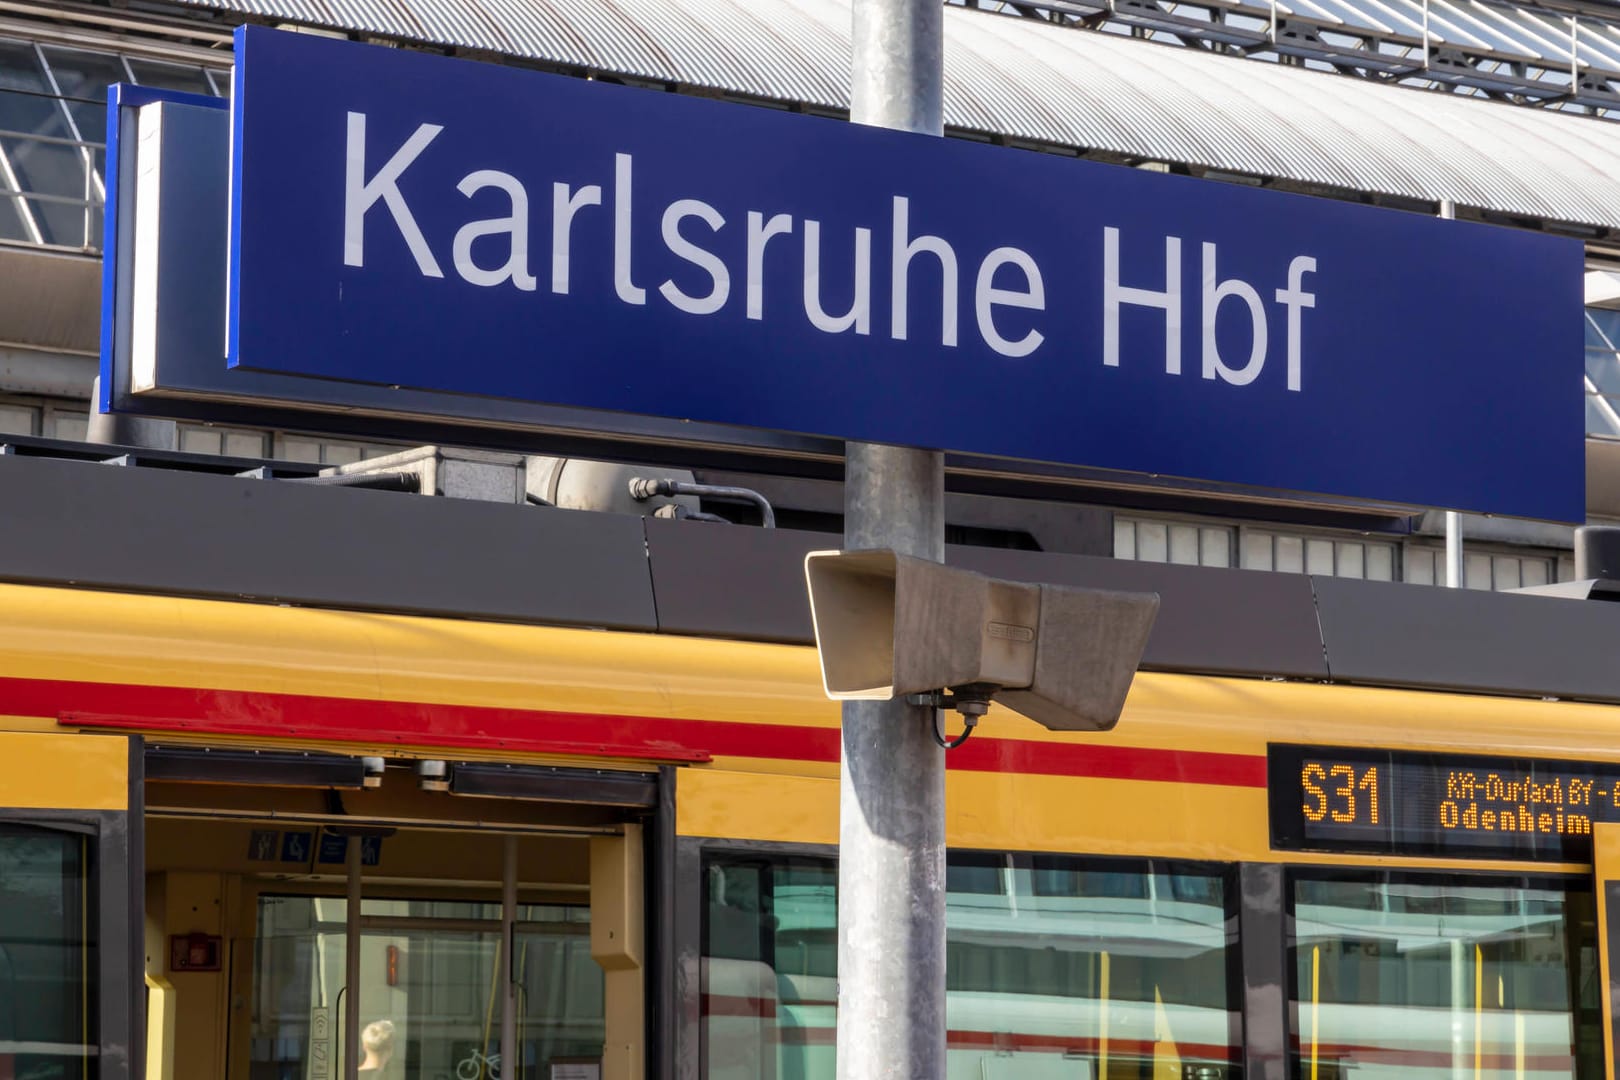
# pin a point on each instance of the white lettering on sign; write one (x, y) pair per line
(986, 295)
(564, 205)
(760, 232)
(1216, 291)
(904, 251)
(859, 314)
(710, 262)
(1213, 294)
(359, 194)
(1008, 286)
(515, 227)
(1169, 300)
(1293, 298)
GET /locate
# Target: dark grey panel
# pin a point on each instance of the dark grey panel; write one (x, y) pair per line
(159, 530)
(741, 582)
(732, 580)
(1223, 621)
(223, 765)
(1412, 635)
(1261, 929)
(589, 787)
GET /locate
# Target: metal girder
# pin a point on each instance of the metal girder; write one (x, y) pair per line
(1528, 77)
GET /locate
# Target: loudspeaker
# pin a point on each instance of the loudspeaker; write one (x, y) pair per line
(889, 624)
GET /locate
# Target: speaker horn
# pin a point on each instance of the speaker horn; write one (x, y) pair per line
(888, 624)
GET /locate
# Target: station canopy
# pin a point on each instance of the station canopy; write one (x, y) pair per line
(1055, 86)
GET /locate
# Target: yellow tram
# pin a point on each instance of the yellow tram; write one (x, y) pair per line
(217, 816)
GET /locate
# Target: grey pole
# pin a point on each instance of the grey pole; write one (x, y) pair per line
(505, 958)
(1454, 550)
(1454, 541)
(351, 961)
(891, 834)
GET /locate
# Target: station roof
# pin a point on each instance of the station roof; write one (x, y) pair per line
(1056, 86)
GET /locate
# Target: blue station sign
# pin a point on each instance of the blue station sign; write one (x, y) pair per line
(406, 220)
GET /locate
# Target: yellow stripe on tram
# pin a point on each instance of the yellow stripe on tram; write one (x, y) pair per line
(1316, 990)
(1102, 1019)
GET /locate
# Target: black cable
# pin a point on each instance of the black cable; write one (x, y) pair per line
(642, 488)
(939, 730)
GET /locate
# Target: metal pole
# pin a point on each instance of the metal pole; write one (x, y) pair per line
(1426, 39)
(891, 895)
(1575, 54)
(1454, 548)
(509, 1069)
(351, 963)
(891, 833)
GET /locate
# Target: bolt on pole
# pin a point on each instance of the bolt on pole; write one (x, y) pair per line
(891, 840)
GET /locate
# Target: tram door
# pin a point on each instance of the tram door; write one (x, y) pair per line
(1606, 865)
(433, 979)
(312, 936)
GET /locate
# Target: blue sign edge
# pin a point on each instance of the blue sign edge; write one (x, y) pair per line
(119, 97)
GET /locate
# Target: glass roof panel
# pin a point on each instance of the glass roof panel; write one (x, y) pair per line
(1601, 416)
(1446, 21)
(1603, 369)
(170, 76)
(1536, 37)
(1405, 17)
(1599, 45)
(1321, 11)
(1602, 328)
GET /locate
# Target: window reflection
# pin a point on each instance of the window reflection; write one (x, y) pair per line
(438, 987)
(46, 1022)
(1056, 967)
(53, 117)
(1417, 977)
(1602, 372)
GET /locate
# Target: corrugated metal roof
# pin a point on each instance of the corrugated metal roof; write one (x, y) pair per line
(1031, 80)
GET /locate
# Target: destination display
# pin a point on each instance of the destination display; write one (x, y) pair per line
(1392, 802)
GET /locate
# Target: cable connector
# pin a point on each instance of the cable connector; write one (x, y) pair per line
(971, 701)
(643, 488)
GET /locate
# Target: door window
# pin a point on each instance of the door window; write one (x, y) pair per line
(430, 995)
(47, 952)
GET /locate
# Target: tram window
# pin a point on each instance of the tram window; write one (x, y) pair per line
(980, 874)
(1057, 875)
(431, 968)
(46, 949)
(1417, 976)
(1115, 968)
